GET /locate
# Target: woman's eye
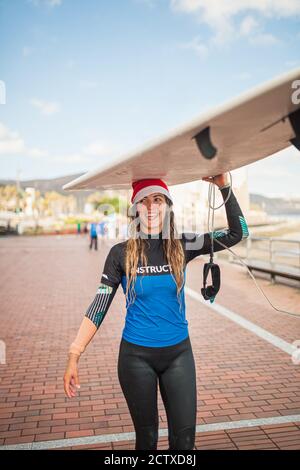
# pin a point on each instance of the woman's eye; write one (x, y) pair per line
(156, 200)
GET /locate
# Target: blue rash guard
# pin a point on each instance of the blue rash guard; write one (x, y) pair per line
(93, 229)
(155, 318)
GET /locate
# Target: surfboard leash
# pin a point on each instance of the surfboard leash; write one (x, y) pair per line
(210, 292)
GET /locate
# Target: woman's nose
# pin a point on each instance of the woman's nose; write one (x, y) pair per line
(149, 205)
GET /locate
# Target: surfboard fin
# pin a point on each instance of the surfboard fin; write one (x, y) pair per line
(204, 143)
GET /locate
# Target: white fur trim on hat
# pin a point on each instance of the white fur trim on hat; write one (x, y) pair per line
(145, 192)
(149, 190)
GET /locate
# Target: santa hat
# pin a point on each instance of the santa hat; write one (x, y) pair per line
(144, 187)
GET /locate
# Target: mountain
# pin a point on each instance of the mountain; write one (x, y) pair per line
(48, 184)
(276, 205)
(53, 184)
(272, 206)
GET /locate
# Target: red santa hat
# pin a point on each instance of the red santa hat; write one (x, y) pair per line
(144, 187)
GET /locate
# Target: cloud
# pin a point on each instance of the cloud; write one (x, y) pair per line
(88, 84)
(197, 46)
(214, 10)
(248, 25)
(276, 175)
(264, 39)
(292, 63)
(10, 142)
(27, 51)
(37, 153)
(229, 20)
(46, 107)
(243, 76)
(251, 28)
(94, 149)
(99, 149)
(49, 3)
(148, 3)
(70, 158)
(70, 63)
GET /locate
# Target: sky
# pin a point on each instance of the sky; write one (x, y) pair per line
(88, 80)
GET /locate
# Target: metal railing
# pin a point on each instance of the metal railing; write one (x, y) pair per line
(272, 255)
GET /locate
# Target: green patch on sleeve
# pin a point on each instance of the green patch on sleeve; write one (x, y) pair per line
(244, 227)
(98, 318)
(104, 289)
(220, 233)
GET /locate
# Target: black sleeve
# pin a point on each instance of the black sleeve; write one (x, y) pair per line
(112, 271)
(110, 280)
(196, 244)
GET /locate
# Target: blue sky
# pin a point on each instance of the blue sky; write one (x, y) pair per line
(88, 80)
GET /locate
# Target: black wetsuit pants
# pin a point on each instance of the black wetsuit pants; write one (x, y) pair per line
(140, 370)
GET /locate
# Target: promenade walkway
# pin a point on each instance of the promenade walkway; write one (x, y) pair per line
(248, 385)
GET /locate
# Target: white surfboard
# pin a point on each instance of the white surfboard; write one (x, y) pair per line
(250, 127)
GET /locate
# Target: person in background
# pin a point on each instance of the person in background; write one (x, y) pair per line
(93, 235)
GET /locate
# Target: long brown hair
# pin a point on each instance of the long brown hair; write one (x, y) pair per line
(172, 248)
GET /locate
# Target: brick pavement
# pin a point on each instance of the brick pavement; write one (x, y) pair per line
(47, 284)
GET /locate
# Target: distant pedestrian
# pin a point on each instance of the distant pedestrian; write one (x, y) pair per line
(93, 236)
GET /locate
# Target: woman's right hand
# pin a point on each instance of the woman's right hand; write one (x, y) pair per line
(71, 378)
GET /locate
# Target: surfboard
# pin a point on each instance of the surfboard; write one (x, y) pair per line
(250, 127)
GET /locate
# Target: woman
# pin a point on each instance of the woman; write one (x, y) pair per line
(155, 347)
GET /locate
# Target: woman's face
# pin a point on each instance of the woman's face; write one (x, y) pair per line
(152, 211)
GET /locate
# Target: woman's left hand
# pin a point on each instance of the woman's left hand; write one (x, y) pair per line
(219, 180)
